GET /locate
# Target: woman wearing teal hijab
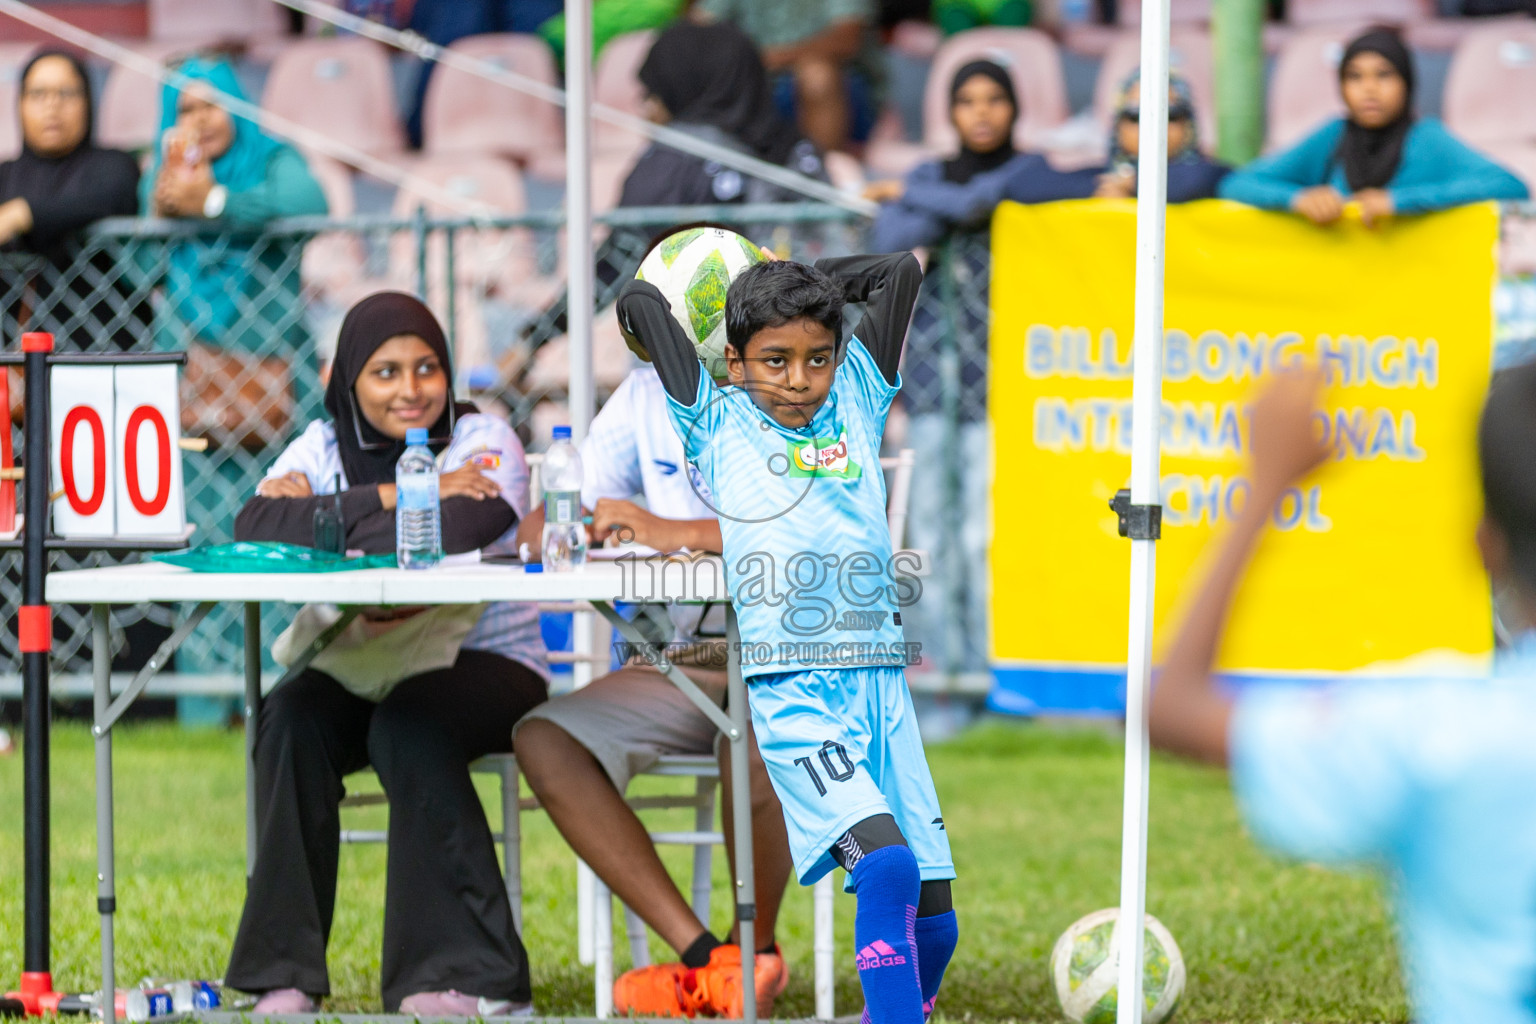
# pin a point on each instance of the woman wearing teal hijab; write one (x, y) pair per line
(232, 302)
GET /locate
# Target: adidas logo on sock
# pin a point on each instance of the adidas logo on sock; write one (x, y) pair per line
(878, 954)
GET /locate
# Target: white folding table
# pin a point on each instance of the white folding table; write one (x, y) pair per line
(629, 579)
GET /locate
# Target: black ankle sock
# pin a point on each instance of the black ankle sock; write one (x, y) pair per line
(770, 948)
(697, 954)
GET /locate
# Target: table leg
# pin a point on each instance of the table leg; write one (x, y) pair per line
(741, 805)
(106, 897)
(252, 708)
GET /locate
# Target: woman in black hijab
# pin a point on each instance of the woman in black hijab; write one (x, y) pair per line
(450, 947)
(1379, 156)
(60, 183)
(940, 201)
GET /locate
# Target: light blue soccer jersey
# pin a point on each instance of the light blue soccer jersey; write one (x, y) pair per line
(1436, 783)
(802, 514)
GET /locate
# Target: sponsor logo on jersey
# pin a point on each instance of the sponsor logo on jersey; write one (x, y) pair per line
(879, 954)
(824, 457)
(486, 458)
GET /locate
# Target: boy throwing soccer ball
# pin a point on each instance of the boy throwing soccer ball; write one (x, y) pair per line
(789, 450)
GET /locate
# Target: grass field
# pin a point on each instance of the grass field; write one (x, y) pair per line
(1034, 815)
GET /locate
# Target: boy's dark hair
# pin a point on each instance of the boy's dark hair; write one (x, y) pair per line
(1506, 452)
(774, 293)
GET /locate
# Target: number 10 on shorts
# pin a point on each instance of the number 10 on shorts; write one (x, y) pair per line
(835, 764)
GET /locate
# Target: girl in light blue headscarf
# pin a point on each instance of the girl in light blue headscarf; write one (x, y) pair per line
(232, 302)
(214, 166)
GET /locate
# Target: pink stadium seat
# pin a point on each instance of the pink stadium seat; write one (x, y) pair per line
(201, 21)
(129, 114)
(1031, 58)
(1316, 12)
(497, 261)
(10, 118)
(1304, 91)
(1182, 12)
(465, 114)
(616, 83)
(918, 39)
(1189, 54)
(334, 262)
(341, 88)
(1490, 90)
(13, 57)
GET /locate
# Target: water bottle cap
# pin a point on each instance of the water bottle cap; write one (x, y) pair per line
(416, 435)
(562, 433)
(533, 567)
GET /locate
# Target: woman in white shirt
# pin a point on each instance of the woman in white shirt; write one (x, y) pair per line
(450, 948)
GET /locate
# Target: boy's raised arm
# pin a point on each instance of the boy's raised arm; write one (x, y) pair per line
(889, 285)
(646, 319)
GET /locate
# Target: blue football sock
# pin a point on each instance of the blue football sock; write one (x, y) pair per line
(887, 885)
(936, 937)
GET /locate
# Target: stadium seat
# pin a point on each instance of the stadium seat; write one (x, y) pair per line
(206, 21)
(1490, 89)
(1318, 12)
(1031, 58)
(1189, 54)
(335, 262)
(616, 83)
(466, 114)
(129, 114)
(13, 57)
(1304, 90)
(341, 88)
(486, 261)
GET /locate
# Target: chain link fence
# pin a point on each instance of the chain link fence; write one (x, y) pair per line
(259, 313)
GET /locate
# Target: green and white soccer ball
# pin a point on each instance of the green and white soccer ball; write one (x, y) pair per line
(1085, 965)
(693, 268)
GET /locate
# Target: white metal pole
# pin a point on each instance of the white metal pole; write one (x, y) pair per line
(1146, 409)
(578, 210)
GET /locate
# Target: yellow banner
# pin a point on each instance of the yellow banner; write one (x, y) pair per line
(1370, 561)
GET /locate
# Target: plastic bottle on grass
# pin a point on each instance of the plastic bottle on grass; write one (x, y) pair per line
(418, 512)
(565, 536)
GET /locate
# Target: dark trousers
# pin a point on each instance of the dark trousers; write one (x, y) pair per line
(447, 921)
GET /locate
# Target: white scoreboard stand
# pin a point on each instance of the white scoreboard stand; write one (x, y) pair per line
(116, 452)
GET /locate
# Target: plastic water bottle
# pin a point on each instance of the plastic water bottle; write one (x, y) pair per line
(418, 527)
(1076, 12)
(565, 536)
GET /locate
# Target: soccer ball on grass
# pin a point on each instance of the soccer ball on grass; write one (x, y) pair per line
(693, 268)
(1085, 965)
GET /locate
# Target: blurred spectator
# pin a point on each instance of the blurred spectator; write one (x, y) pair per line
(234, 306)
(1377, 156)
(706, 81)
(826, 65)
(1191, 174)
(938, 200)
(59, 184)
(941, 196)
(444, 22)
(958, 15)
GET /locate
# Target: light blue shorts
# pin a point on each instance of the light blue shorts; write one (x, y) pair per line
(842, 745)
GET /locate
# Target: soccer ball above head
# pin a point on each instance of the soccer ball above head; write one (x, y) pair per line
(693, 268)
(1085, 966)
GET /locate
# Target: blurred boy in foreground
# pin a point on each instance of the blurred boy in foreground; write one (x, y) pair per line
(1429, 779)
